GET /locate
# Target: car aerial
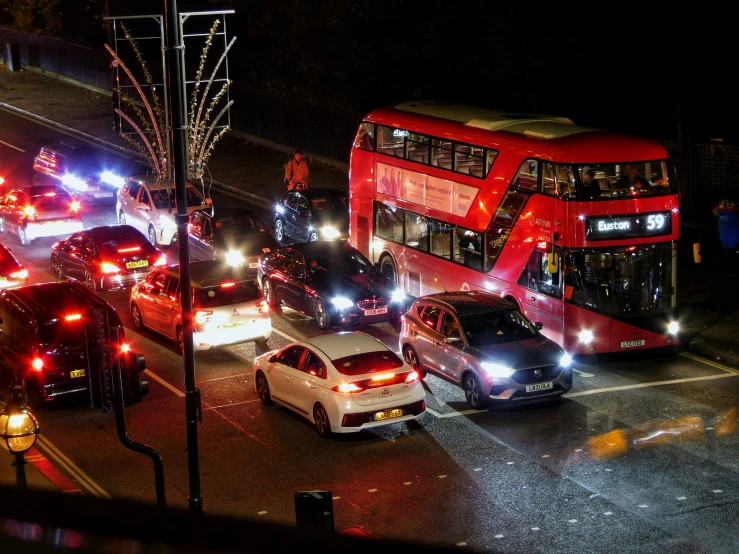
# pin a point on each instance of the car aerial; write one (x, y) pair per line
(482, 343)
(40, 211)
(106, 258)
(312, 214)
(150, 206)
(228, 307)
(12, 273)
(234, 235)
(78, 166)
(42, 338)
(342, 383)
(330, 281)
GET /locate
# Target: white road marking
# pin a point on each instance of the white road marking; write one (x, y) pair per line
(609, 469)
(233, 404)
(222, 378)
(444, 477)
(534, 528)
(478, 469)
(708, 362)
(643, 506)
(646, 385)
(262, 513)
(583, 373)
(11, 146)
(682, 497)
(545, 456)
(718, 491)
(164, 383)
(461, 544)
(573, 521)
(578, 449)
(607, 513)
(498, 536)
(372, 490)
(709, 428)
(284, 335)
(453, 413)
(510, 463)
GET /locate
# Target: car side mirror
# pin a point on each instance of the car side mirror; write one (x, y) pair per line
(451, 340)
(539, 325)
(272, 359)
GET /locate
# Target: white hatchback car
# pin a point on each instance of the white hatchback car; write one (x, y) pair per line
(228, 307)
(342, 383)
(145, 204)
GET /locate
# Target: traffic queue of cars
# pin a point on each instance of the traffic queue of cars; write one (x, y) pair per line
(343, 382)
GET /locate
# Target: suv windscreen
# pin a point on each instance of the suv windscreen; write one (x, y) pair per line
(346, 262)
(224, 295)
(368, 362)
(496, 327)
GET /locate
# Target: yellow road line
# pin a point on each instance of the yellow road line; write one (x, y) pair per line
(85, 480)
(706, 361)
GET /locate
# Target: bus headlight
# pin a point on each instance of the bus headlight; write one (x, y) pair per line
(342, 303)
(73, 181)
(497, 370)
(586, 336)
(112, 179)
(673, 328)
(330, 232)
(398, 295)
(565, 360)
(234, 258)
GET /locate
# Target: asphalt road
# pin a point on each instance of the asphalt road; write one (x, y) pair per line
(514, 481)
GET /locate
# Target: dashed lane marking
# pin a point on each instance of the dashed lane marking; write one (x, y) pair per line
(164, 383)
(682, 497)
(607, 513)
(498, 536)
(222, 378)
(646, 385)
(643, 506)
(718, 491)
(534, 528)
(573, 521)
(335, 497)
(477, 469)
(11, 146)
(583, 373)
(285, 335)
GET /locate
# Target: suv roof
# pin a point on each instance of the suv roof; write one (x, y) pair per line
(47, 301)
(210, 273)
(469, 302)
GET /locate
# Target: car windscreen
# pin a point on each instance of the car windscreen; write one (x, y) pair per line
(227, 294)
(367, 362)
(239, 227)
(160, 198)
(345, 262)
(496, 327)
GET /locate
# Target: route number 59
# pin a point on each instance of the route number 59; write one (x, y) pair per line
(655, 222)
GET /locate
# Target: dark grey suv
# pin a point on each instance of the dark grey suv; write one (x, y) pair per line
(486, 346)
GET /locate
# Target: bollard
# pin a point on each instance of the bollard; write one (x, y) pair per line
(314, 509)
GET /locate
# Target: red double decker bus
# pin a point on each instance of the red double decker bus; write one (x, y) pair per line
(576, 226)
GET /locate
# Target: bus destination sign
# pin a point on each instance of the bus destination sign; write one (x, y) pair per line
(628, 226)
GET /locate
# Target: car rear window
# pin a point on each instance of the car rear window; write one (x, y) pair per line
(237, 293)
(368, 362)
(112, 239)
(51, 201)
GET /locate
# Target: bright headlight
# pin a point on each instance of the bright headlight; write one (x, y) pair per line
(673, 328)
(565, 360)
(74, 182)
(330, 232)
(398, 295)
(496, 370)
(586, 336)
(279, 208)
(342, 303)
(167, 222)
(111, 179)
(234, 258)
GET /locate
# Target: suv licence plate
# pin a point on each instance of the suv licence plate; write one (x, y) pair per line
(376, 311)
(538, 386)
(630, 343)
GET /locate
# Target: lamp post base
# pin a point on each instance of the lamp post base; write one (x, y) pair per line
(20, 471)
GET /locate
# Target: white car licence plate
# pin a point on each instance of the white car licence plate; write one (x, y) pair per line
(376, 311)
(538, 386)
(630, 343)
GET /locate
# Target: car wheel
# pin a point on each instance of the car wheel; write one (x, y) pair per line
(122, 218)
(411, 358)
(269, 293)
(387, 268)
(152, 234)
(263, 389)
(320, 313)
(138, 321)
(90, 282)
(25, 241)
(55, 267)
(279, 230)
(181, 340)
(473, 392)
(313, 237)
(321, 422)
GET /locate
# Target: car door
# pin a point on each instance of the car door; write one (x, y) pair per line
(450, 355)
(429, 338)
(294, 287)
(127, 201)
(170, 308)
(75, 256)
(283, 374)
(307, 385)
(143, 211)
(195, 237)
(302, 218)
(152, 309)
(289, 208)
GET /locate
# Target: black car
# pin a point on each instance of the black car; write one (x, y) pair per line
(312, 214)
(229, 234)
(12, 273)
(106, 258)
(42, 338)
(331, 281)
(80, 167)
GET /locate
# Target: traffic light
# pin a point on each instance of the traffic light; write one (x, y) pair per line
(134, 388)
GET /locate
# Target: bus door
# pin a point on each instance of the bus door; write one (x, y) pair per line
(542, 278)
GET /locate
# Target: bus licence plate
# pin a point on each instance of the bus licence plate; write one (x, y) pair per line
(77, 373)
(388, 414)
(376, 311)
(538, 386)
(630, 343)
(140, 263)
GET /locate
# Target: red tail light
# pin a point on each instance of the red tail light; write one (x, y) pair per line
(21, 274)
(73, 317)
(37, 364)
(30, 211)
(347, 388)
(75, 206)
(161, 261)
(412, 376)
(383, 377)
(262, 306)
(131, 249)
(202, 317)
(107, 268)
(2, 181)
(227, 285)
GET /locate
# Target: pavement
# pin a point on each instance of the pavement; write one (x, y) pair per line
(252, 167)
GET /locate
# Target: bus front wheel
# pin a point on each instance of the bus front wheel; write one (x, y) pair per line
(513, 301)
(387, 268)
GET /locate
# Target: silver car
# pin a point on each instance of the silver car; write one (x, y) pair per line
(485, 345)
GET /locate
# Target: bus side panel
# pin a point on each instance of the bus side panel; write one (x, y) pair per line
(361, 194)
(579, 320)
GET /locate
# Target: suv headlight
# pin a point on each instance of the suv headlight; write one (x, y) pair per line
(330, 232)
(342, 303)
(497, 370)
(565, 360)
(398, 295)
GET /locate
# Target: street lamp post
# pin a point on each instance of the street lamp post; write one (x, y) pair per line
(18, 428)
